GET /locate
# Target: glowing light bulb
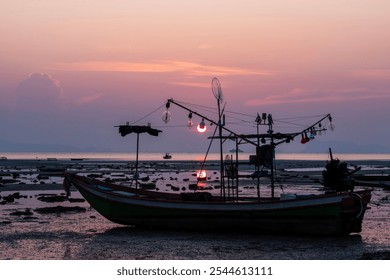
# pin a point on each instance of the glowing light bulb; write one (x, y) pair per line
(202, 127)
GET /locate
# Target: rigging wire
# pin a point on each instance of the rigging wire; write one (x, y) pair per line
(236, 120)
(151, 113)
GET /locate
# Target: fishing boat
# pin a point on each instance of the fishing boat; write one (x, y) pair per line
(167, 156)
(234, 150)
(338, 211)
(329, 214)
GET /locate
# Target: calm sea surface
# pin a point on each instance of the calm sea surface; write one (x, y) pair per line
(184, 156)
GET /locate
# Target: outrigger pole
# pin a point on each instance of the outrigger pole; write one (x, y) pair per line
(127, 129)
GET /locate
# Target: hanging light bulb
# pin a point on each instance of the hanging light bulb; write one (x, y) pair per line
(190, 123)
(166, 116)
(331, 125)
(312, 134)
(306, 137)
(319, 129)
(258, 119)
(202, 126)
(303, 140)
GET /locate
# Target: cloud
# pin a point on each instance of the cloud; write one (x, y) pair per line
(39, 92)
(88, 99)
(192, 84)
(372, 73)
(162, 66)
(301, 95)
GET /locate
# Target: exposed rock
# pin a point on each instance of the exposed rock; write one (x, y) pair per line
(26, 212)
(52, 198)
(60, 209)
(76, 199)
(11, 198)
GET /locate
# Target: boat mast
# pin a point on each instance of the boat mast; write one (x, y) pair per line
(258, 122)
(136, 175)
(270, 131)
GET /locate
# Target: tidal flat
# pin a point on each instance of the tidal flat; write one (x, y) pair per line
(38, 224)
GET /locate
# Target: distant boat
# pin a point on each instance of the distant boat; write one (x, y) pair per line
(234, 150)
(167, 156)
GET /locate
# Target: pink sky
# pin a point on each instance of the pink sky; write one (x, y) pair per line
(71, 70)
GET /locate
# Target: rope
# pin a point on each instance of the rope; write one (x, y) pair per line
(148, 114)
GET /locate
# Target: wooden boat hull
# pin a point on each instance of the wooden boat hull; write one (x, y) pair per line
(335, 214)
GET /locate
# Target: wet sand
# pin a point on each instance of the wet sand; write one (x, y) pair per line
(83, 234)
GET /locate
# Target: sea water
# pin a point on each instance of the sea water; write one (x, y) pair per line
(181, 156)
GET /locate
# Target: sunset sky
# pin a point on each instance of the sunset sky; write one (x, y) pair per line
(72, 70)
